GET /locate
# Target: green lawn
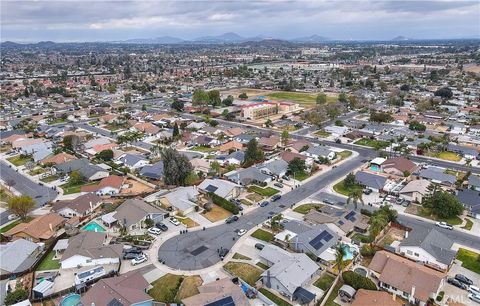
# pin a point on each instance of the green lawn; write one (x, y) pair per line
(427, 214)
(247, 272)
(267, 192)
(240, 256)
(300, 176)
(5, 195)
(450, 156)
(36, 171)
(341, 189)
(322, 133)
(468, 225)
(51, 178)
(165, 288)
(334, 294)
(48, 263)
(19, 160)
(246, 202)
(274, 298)
(470, 260)
(305, 208)
(263, 235)
(202, 149)
(345, 154)
(376, 144)
(74, 188)
(298, 97)
(324, 282)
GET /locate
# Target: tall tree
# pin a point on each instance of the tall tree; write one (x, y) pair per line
(71, 142)
(252, 154)
(285, 137)
(321, 98)
(21, 205)
(176, 131)
(214, 98)
(296, 166)
(355, 195)
(200, 97)
(443, 204)
(176, 167)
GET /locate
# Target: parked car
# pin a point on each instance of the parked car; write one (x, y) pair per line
(130, 256)
(139, 259)
(241, 232)
(464, 279)
(222, 253)
(444, 225)
(279, 185)
(456, 283)
(154, 231)
(259, 246)
(231, 219)
(474, 297)
(390, 199)
(399, 201)
(474, 290)
(367, 191)
(132, 250)
(327, 201)
(275, 198)
(161, 226)
(174, 221)
(12, 217)
(285, 178)
(264, 203)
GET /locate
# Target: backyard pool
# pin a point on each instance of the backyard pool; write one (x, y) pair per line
(71, 300)
(93, 227)
(349, 251)
(375, 168)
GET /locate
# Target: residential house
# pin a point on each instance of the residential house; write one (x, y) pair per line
(438, 175)
(101, 147)
(201, 165)
(96, 141)
(398, 166)
(153, 171)
(466, 152)
(373, 181)
(129, 289)
(471, 200)
(428, 246)
(230, 146)
(132, 214)
(248, 176)
(146, 128)
(222, 188)
(216, 293)
(38, 148)
(298, 146)
(269, 143)
(234, 132)
(84, 167)
(244, 138)
(319, 152)
(18, 256)
(90, 249)
(346, 220)
(365, 297)
(196, 125)
(403, 277)
(182, 199)
(276, 167)
(318, 240)
(133, 161)
(40, 229)
(288, 156)
(81, 206)
(415, 190)
(235, 158)
(56, 159)
(474, 182)
(336, 131)
(109, 185)
(287, 271)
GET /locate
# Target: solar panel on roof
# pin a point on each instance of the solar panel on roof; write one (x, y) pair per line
(316, 242)
(227, 301)
(327, 237)
(341, 222)
(351, 216)
(211, 188)
(115, 302)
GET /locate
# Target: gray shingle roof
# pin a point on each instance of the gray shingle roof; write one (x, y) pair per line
(82, 165)
(437, 174)
(470, 199)
(433, 242)
(370, 180)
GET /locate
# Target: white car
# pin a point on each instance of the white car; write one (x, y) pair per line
(474, 290)
(139, 259)
(474, 297)
(154, 231)
(241, 232)
(12, 217)
(174, 221)
(444, 225)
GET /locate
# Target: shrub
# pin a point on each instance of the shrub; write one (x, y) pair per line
(357, 281)
(224, 203)
(440, 296)
(366, 212)
(16, 296)
(367, 250)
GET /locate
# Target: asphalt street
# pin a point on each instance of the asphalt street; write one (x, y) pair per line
(40, 194)
(197, 250)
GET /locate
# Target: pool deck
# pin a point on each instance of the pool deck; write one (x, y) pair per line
(66, 278)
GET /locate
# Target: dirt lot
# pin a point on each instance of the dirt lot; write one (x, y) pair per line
(217, 213)
(189, 287)
(135, 187)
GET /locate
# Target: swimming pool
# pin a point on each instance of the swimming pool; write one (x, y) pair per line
(71, 300)
(348, 251)
(93, 227)
(375, 168)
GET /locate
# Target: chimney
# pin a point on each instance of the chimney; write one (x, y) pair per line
(412, 293)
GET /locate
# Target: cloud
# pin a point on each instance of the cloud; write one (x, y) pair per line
(337, 19)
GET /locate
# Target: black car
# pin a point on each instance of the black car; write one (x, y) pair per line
(133, 250)
(456, 283)
(464, 279)
(259, 246)
(276, 198)
(131, 255)
(367, 191)
(231, 219)
(161, 226)
(222, 253)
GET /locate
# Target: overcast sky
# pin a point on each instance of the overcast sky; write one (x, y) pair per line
(70, 20)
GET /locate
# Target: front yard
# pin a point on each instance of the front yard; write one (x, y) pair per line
(165, 288)
(69, 188)
(470, 260)
(263, 235)
(341, 189)
(187, 222)
(48, 263)
(450, 156)
(189, 287)
(422, 212)
(305, 208)
(266, 192)
(372, 143)
(345, 154)
(19, 160)
(246, 272)
(217, 213)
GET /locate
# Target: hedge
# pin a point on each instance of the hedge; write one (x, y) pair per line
(367, 251)
(366, 212)
(224, 203)
(357, 281)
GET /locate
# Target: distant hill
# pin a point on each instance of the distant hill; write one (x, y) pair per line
(310, 39)
(157, 40)
(229, 37)
(401, 38)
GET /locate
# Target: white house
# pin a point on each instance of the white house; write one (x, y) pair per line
(318, 152)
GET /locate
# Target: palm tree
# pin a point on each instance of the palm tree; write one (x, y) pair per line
(339, 262)
(355, 195)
